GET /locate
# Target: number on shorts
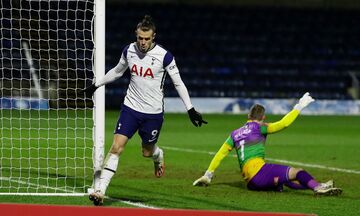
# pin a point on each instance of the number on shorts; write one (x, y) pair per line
(153, 133)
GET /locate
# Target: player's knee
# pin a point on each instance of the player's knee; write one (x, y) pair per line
(116, 149)
(293, 172)
(298, 170)
(146, 153)
(119, 144)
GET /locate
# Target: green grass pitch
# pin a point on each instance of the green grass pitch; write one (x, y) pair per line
(328, 141)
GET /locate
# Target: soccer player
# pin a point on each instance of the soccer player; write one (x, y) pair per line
(142, 109)
(249, 143)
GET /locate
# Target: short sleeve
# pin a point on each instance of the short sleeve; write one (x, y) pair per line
(168, 58)
(123, 59)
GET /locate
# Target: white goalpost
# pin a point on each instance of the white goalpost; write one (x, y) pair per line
(51, 137)
(99, 97)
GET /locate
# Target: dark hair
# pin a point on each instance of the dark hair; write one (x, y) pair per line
(146, 24)
(257, 112)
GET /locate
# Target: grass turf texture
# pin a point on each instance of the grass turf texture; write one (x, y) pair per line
(331, 141)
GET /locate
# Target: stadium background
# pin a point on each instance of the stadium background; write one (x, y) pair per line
(224, 49)
(248, 49)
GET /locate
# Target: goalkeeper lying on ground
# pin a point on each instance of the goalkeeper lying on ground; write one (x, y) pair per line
(249, 142)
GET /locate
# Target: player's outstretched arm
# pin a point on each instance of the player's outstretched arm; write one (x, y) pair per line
(89, 91)
(289, 118)
(196, 117)
(180, 87)
(304, 101)
(205, 180)
(109, 77)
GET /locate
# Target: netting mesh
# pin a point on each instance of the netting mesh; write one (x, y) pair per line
(46, 57)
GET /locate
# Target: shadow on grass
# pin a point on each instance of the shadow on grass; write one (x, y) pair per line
(237, 184)
(172, 200)
(288, 191)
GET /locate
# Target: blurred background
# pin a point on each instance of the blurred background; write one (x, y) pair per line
(273, 49)
(248, 49)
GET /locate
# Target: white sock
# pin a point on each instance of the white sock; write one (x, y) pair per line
(97, 179)
(157, 153)
(108, 172)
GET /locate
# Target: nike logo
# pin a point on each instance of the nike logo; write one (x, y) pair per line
(152, 140)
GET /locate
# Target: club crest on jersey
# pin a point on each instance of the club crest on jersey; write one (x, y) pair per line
(139, 71)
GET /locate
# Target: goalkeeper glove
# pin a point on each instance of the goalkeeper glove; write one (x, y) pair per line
(304, 101)
(196, 117)
(89, 91)
(204, 180)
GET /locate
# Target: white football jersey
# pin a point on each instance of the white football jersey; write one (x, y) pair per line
(148, 70)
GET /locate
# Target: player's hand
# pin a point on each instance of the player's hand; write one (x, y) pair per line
(304, 101)
(196, 117)
(89, 91)
(202, 181)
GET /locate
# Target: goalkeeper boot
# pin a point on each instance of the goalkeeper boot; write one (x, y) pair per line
(324, 187)
(327, 189)
(97, 198)
(328, 184)
(159, 165)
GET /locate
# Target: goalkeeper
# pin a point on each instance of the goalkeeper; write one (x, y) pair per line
(249, 143)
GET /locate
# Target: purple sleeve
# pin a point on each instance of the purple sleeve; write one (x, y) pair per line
(168, 59)
(124, 52)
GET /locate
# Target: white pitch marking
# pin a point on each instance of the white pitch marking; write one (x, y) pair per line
(272, 159)
(66, 193)
(137, 204)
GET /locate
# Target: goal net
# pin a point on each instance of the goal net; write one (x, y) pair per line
(46, 57)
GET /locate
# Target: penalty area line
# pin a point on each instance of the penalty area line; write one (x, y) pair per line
(272, 159)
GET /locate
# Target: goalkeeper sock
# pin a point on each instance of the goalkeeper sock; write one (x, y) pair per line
(306, 179)
(108, 171)
(295, 185)
(156, 154)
